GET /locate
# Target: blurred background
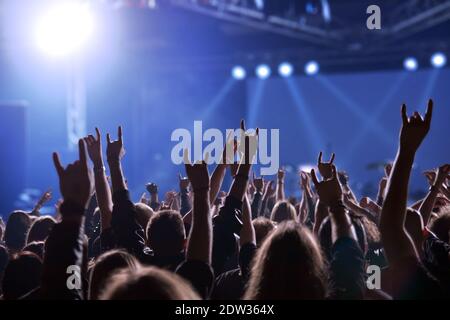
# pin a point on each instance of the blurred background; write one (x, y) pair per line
(309, 68)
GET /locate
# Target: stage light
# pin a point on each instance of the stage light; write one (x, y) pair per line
(311, 68)
(410, 64)
(438, 60)
(263, 71)
(238, 73)
(65, 28)
(285, 69)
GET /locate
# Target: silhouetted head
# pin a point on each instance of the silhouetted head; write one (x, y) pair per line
(22, 274)
(149, 283)
(325, 238)
(165, 233)
(441, 227)
(263, 227)
(143, 214)
(282, 211)
(16, 231)
(40, 229)
(289, 265)
(36, 247)
(4, 258)
(105, 266)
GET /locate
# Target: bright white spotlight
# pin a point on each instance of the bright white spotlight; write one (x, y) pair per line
(410, 64)
(285, 69)
(65, 28)
(311, 68)
(438, 60)
(263, 71)
(238, 73)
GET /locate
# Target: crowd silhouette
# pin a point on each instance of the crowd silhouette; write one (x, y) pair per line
(252, 242)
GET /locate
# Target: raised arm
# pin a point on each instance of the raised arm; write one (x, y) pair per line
(219, 172)
(347, 261)
(257, 198)
(396, 241)
(115, 152)
(280, 185)
(102, 189)
(240, 182)
(128, 234)
(330, 195)
(322, 209)
(64, 246)
(248, 231)
(200, 239)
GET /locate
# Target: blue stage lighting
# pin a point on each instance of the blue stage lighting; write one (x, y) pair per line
(238, 73)
(263, 71)
(410, 64)
(311, 68)
(438, 60)
(285, 69)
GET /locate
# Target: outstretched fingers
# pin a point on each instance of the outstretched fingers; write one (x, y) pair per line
(404, 114)
(429, 112)
(82, 153)
(314, 178)
(57, 162)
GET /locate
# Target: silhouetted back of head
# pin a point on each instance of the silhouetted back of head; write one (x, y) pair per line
(36, 247)
(148, 283)
(263, 227)
(289, 265)
(105, 266)
(4, 258)
(16, 230)
(22, 274)
(441, 227)
(283, 211)
(143, 214)
(325, 238)
(40, 229)
(165, 233)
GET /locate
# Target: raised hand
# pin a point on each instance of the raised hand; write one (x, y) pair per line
(248, 145)
(229, 150)
(442, 175)
(325, 168)
(258, 183)
(280, 174)
(170, 196)
(46, 196)
(115, 150)
(431, 176)
(329, 190)
(94, 148)
(152, 188)
(388, 169)
(198, 176)
(414, 129)
(184, 182)
(75, 181)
